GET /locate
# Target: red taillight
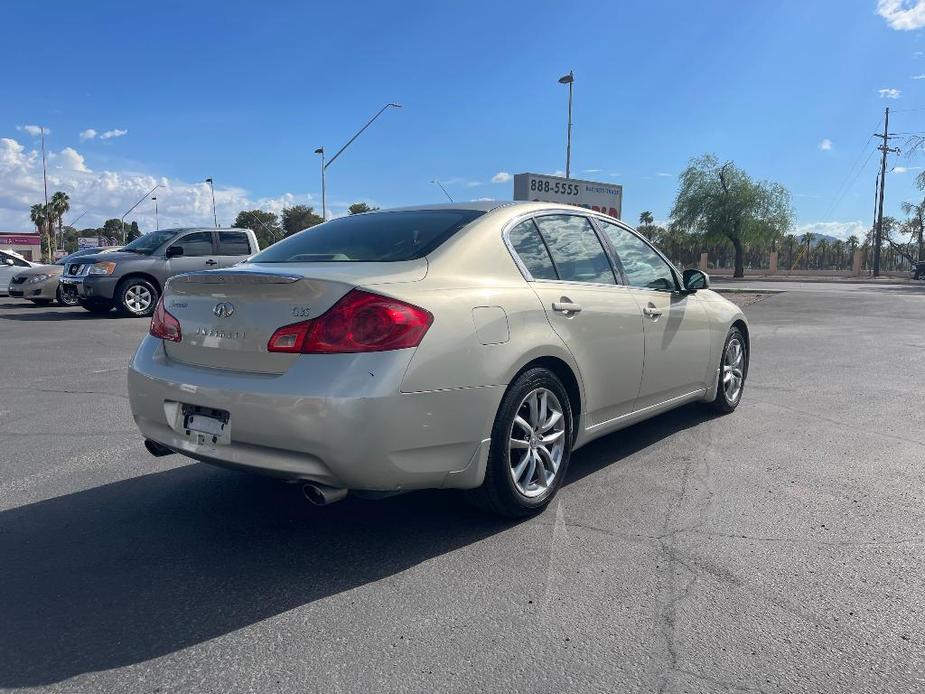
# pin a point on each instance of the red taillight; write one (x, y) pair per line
(359, 322)
(164, 325)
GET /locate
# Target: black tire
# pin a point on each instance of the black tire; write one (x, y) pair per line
(128, 294)
(66, 298)
(40, 302)
(499, 493)
(96, 306)
(724, 404)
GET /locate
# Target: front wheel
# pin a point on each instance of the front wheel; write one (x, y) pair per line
(65, 297)
(732, 372)
(136, 297)
(531, 442)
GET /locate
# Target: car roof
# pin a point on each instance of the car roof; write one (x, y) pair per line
(177, 230)
(474, 205)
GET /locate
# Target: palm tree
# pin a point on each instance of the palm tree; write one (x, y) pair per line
(42, 220)
(645, 223)
(807, 239)
(838, 250)
(60, 204)
(821, 249)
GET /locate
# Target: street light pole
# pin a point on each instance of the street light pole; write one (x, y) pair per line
(157, 225)
(568, 79)
(349, 142)
(324, 197)
(212, 187)
(145, 197)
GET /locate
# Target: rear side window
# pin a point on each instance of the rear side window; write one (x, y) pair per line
(525, 238)
(575, 249)
(198, 243)
(375, 237)
(233, 243)
(642, 266)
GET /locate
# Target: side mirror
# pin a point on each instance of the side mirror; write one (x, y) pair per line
(695, 279)
(8, 261)
(174, 251)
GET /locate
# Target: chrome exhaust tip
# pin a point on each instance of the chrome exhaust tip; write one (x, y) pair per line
(156, 449)
(321, 494)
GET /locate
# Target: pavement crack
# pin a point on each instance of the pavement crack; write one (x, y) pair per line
(68, 392)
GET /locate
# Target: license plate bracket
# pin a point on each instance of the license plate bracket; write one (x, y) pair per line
(206, 426)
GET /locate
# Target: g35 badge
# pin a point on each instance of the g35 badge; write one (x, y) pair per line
(301, 311)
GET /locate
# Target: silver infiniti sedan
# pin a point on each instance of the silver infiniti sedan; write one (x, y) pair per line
(469, 346)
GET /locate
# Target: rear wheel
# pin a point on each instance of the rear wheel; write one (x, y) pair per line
(136, 296)
(732, 372)
(66, 298)
(96, 306)
(530, 446)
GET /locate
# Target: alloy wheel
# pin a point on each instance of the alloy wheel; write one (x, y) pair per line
(537, 442)
(138, 298)
(733, 370)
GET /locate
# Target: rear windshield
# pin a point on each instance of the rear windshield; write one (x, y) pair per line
(372, 237)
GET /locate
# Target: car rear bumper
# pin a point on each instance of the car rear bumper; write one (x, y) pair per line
(340, 420)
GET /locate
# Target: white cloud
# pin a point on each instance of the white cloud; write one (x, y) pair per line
(87, 134)
(592, 170)
(109, 134)
(106, 194)
(918, 77)
(34, 130)
(665, 175)
(900, 169)
(902, 15)
(840, 230)
(485, 199)
(889, 93)
(501, 177)
(825, 145)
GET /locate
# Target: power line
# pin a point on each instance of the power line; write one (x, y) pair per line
(842, 190)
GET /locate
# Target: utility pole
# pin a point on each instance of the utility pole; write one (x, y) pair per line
(47, 212)
(885, 148)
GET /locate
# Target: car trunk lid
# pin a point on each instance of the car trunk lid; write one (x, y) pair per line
(227, 316)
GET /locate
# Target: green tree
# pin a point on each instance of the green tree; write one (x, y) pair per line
(915, 225)
(132, 232)
(807, 241)
(60, 203)
(821, 249)
(299, 217)
(112, 229)
(724, 203)
(360, 208)
(264, 224)
(42, 218)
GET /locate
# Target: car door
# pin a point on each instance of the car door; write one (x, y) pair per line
(198, 253)
(9, 265)
(677, 330)
(597, 319)
(233, 247)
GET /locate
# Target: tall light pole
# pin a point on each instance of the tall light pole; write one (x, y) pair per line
(141, 200)
(212, 187)
(47, 213)
(443, 189)
(568, 79)
(324, 197)
(349, 142)
(157, 225)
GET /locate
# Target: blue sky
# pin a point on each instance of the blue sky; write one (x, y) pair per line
(244, 92)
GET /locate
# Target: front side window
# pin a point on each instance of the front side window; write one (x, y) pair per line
(525, 238)
(372, 237)
(575, 248)
(198, 243)
(642, 266)
(233, 243)
(150, 242)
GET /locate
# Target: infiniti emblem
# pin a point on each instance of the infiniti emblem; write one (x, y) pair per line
(223, 310)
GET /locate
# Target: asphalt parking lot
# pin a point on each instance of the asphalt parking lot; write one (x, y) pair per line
(778, 549)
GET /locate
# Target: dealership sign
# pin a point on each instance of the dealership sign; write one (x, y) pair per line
(600, 197)
(20, 239)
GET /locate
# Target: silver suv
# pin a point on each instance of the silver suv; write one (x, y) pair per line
(132, 279)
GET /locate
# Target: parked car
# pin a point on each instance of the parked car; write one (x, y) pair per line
(131, 280)
(918, 271)
(11, 263)
(468, 346)
(39, 284)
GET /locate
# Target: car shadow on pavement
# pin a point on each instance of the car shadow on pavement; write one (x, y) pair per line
(43, 314)
(130, 571)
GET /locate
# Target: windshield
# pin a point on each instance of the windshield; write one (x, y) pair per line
(150, 242)
(373, 237)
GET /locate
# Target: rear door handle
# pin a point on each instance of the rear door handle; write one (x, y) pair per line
(651, 311)
(211, 262)
(566, 307)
